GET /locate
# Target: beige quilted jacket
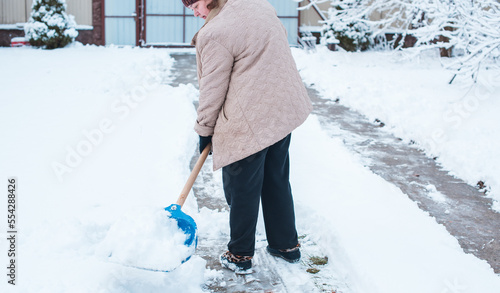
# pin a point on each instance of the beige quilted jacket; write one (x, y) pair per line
(251, 94)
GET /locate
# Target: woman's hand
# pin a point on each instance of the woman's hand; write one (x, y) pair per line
(204, 141)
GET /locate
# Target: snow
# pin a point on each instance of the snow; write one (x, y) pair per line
(18, 39)
(18, 26)
(374, 220)
(310, 28)
(146, 238)
(95, 137)
(467, 28)
(435, 194)
(457, 124)
(101, 143)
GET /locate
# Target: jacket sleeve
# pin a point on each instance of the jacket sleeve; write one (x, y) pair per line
(215, 67)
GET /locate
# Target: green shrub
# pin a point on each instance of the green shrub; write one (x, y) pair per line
(49, 26)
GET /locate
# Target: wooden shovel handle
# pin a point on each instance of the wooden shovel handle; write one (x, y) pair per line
(194, 174)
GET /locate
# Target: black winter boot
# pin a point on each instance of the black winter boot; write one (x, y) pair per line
(241, 265)
(291, 255)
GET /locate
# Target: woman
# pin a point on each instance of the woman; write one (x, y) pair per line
(251, 99)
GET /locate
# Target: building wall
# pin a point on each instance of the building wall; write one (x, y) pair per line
(18, 11)
(310, 17)
(89, 13)
(14, 11)
(81, 9)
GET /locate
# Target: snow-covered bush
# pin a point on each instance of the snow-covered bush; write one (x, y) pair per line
(469, 28)
(466, 29)
(353, 34)
(49, 26)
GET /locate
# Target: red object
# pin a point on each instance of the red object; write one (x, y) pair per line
(19, 42)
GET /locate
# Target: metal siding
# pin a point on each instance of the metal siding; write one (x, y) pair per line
(27, 9)
(120, 31)
(289, 15)
(28, 4)
(119, 23)
(164, 29)
(291, 25)
(81, 9)
(175, 29)
(13, 11)
(311, 17)
(285, 8)
(119, 8)
(164, 7)
(19, 11)
(193, 25)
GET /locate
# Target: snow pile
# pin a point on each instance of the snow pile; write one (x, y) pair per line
(457, 124)
(79, 185)
(377, 238)
(49, 26)
(101, 152)
(435, 194)
(147, 238)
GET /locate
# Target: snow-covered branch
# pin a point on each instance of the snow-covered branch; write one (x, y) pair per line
(468, 28)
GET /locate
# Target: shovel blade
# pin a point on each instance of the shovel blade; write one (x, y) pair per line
(185, 223)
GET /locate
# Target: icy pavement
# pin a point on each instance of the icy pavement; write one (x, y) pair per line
(461, 208)
(270, 274)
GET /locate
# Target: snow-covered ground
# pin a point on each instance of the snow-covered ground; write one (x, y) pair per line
(456, 123)
(96, 138)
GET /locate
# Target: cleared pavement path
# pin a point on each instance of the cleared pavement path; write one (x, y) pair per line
(461, 208)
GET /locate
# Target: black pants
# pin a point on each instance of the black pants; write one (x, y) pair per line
(263, 176)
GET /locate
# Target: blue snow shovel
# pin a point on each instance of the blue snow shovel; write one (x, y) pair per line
(184, 221)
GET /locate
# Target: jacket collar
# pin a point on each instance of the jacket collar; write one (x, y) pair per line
(213, 13)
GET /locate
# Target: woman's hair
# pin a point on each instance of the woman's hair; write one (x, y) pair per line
(214, 4)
